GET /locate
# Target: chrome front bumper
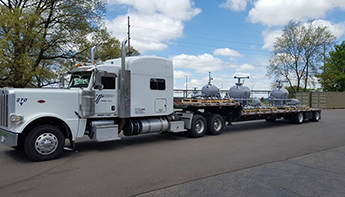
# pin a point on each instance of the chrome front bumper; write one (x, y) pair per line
(8, 138)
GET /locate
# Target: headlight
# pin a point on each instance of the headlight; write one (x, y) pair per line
(16, 118)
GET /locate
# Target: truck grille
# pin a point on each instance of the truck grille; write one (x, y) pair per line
(3, 109)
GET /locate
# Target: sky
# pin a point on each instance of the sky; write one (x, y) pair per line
(227, 37)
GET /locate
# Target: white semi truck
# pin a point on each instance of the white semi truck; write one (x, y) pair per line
(133, 95)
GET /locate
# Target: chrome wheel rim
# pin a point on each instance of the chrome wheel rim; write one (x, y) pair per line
(46, 143)
(300, 117)
(217, 124)
(199, 126)
(317, 116)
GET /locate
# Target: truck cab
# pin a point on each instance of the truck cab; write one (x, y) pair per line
(133, 94)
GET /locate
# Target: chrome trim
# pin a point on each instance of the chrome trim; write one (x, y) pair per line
(7, 107)
(8, 138)
(125, 88)
(93, 55)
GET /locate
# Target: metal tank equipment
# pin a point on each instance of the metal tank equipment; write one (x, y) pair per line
(239, 92)
(279, 96)
(210, 90)
(195, 93)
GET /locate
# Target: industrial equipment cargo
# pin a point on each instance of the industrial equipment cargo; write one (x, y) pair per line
(133, 95)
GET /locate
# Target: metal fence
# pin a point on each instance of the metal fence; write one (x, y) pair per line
(324, 100)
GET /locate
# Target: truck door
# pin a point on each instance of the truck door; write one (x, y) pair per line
(106, 99)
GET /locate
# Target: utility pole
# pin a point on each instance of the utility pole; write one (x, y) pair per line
(129, 37)
(324, 56)
(186, 85)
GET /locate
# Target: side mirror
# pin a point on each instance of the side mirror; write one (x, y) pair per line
(98, 80)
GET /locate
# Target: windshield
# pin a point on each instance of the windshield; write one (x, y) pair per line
(80, 79)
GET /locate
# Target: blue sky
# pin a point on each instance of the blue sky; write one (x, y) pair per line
(226, 37)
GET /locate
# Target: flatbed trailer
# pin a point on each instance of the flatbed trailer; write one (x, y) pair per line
(221, 112)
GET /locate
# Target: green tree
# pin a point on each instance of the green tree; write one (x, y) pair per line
(36, 35)
(298, 53)
(332, 77)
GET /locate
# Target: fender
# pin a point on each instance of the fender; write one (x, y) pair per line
(72, 124)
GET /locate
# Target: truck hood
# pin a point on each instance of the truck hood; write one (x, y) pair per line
(35, 103)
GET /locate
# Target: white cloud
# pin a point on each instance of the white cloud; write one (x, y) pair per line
(245, 67)
(337, 29)
(176, 9)
(235, 5)
(279, 12)
(200, 63)
(181, 74)
(198, 83)
(242, 67)
(270, 38)
(153, 22)
(227, 52)
(240, 74)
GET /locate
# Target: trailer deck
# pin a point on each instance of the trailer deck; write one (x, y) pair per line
(235, 112)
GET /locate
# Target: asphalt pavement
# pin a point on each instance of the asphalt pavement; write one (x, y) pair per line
(256, 158)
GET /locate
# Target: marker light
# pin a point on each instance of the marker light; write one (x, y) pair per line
(16, 118)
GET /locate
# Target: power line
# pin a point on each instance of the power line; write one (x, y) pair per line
(216, 46)
(198, 37)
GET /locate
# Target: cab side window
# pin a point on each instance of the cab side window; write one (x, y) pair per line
(109, 82)
(157, 84)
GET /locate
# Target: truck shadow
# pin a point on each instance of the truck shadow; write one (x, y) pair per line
(85, 145)
(132, 141)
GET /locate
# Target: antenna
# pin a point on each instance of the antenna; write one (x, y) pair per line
(129, 37)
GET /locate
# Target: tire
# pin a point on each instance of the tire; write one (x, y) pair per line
(215, 124)
(316, 116)
(271, 119)
(199, 127)
(44, 142)
(297, 118)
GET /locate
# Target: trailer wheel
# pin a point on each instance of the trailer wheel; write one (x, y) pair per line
(199, 127)
(316, 116)
(44, 142)
(297, 118)
(215, 124)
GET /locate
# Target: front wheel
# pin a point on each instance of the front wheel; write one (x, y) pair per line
(44, 142)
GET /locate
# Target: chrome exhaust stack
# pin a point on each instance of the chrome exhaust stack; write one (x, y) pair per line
(124, 96)
(93, 55)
